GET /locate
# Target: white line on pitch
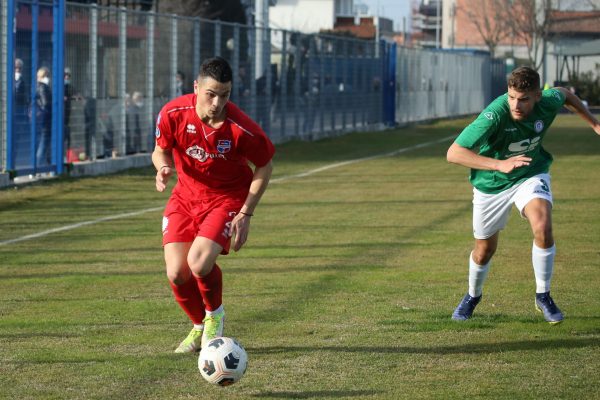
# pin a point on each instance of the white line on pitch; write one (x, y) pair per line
(78, 225)
(276, 180)
(357, 160)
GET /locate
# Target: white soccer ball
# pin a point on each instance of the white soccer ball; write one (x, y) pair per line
(222, 361)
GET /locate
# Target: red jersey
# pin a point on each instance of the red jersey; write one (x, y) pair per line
(209, 159)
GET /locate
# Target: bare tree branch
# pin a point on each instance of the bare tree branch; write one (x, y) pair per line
(531, 23)
(489, 17)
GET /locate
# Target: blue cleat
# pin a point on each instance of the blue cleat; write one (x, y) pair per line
(465, 308)
(545, 304)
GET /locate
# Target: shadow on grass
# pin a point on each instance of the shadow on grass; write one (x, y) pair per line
(475, 348)
(319, 394)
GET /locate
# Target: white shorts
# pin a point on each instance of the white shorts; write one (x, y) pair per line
(491, 211)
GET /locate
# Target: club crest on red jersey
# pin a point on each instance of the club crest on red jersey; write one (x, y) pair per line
(224, 146)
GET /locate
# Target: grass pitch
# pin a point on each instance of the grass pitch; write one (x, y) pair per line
(343, 291)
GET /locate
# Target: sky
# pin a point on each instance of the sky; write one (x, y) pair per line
(392, 9)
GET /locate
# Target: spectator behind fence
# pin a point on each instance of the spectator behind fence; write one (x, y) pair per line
(43, 117)
(21, 103)
(134, 129)
(20, 89)
(180, 87)
(68, 96)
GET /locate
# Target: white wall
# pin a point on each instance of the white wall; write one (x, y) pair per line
(306, 16)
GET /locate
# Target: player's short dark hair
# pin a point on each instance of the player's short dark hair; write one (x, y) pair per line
(524, 79)
(216, 68)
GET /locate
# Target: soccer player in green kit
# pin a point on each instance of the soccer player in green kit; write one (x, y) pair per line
(503, 148)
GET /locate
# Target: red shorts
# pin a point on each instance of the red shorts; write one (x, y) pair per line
(210, 217)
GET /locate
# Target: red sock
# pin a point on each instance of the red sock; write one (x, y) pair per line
(211, 288)
(189, 299)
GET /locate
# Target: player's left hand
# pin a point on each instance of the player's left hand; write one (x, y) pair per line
(597, 128)
(240, 226)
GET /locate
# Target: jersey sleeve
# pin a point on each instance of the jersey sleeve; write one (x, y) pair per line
(253, 142)
(554, 98)
(164, 132)
(257, 147)
(480, 129)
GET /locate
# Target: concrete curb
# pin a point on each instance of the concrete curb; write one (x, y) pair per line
(110, 165)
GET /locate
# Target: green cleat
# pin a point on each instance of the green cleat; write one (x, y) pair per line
(213, 327)
(191, 343)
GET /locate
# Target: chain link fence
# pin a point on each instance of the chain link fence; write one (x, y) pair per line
(121, 66)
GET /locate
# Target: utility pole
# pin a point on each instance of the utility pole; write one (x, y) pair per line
(377, 32)
(261, 23)
(437, 24)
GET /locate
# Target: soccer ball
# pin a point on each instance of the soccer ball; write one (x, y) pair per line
(222, 361)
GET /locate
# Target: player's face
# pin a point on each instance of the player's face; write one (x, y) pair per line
(212, 96)
(521, 103)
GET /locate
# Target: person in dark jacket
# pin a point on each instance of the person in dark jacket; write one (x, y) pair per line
(43, 117)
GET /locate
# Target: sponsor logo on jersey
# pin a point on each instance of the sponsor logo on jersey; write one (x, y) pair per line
(224, 146)
(510, 129)
(489, 115)
(191, 128)
(200, 154)
(538, 126)
(524, 146)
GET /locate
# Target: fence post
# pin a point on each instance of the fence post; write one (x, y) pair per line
(150, 80)
(235, 63)
(283, 84)
(35, 10)
(8, 111)
(91, 120)
(122, 83)
(297, 86)
(268, 81)
(173, 55)
(197, 43)
(58, 83)
(217, 51)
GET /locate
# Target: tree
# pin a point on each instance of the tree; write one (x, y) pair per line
(531, 22)
(490, 17)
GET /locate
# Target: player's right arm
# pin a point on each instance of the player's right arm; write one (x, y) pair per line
(468, 158)
(163, 162)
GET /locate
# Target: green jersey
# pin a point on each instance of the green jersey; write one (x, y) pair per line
(498, 136)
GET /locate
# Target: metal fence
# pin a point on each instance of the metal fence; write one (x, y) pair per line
(437, 84)
(121, 66)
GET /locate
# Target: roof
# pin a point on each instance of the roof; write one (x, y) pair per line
(569, 22)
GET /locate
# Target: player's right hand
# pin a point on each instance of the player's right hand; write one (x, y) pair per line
(162, 178)
(512, 163)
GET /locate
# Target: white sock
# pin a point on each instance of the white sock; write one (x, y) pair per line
(217, 311)
(543, 266)
(477, 275)
(198, 327)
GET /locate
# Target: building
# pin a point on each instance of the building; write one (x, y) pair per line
(427, 24)
(469, 25)
(308, 16)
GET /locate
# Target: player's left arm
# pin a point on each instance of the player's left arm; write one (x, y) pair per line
(574, 104)
(241, 223)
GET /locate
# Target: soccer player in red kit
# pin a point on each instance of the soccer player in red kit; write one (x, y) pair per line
(209, 141)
